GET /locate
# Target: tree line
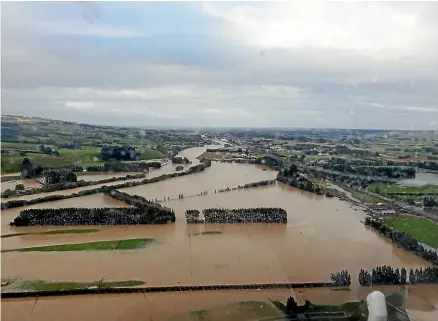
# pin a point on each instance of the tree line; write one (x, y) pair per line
(94, 216)
(245, 215)
(341, 278)
(388, 275)
(403, 240)
(249, 185)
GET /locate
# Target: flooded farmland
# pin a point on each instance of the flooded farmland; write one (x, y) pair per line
(28, 183)
(218, 176)
(322, 235)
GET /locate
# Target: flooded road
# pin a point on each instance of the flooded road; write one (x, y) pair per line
(421, 304)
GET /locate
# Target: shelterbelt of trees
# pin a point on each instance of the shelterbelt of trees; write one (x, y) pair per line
(245, 215)
(249, 185)
(142, 212)
(49, 198)
(388, 275)
(403, 240)
(94, 216)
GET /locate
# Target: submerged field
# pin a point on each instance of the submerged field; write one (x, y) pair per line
(214, 253)
(322, 235)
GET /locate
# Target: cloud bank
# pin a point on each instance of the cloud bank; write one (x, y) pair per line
(288, 64)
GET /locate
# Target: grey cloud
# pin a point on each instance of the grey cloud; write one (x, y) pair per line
(138, 79)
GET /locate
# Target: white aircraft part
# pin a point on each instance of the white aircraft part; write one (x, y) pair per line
(377, 310)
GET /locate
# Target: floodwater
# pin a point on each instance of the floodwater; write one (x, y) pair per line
(322, 235)
(420, 179)
(28, 183)
(421, 303)
(218, 176)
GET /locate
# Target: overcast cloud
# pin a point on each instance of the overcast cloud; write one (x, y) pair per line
(288, 64)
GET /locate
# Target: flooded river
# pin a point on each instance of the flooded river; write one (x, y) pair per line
(322, 235)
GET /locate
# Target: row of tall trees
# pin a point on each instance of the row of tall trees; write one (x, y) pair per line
(249, 185)
(388, 275)
(245, 215)
(403, 240)
(341, 278)
(94, 216)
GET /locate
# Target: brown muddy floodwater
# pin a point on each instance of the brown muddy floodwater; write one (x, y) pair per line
(218, 176)
(421, 303)
(322, 235)
(28, 183)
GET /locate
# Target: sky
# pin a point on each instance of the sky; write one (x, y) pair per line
(223, 64)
